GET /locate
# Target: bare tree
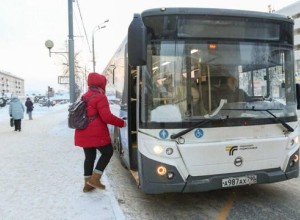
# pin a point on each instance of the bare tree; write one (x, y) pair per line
(80, 71)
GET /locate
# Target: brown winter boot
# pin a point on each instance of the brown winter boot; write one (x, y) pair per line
(87, 187)
(94, 181)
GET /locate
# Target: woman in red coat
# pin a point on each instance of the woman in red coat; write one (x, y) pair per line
(96, 135)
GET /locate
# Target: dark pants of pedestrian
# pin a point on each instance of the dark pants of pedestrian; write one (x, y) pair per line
(17, 124)
(90, 157)
(29, 115)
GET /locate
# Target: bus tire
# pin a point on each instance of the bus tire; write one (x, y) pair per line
(117, 145)
(117, 142)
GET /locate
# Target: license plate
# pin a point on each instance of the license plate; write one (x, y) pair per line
(239, 181)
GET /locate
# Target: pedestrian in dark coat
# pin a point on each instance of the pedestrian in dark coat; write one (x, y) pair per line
(96, 135)
(29, 107)
(16, 111)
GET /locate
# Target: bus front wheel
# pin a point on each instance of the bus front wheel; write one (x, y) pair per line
(117, 142)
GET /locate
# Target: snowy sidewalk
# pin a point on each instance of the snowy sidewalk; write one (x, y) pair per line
(42, 172)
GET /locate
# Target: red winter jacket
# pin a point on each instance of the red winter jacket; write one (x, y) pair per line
(96, 134)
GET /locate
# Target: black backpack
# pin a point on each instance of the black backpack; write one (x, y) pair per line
(77, 118)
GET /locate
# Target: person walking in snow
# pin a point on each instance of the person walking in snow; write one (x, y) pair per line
(16, 111)
(96, 135)
(29, 107)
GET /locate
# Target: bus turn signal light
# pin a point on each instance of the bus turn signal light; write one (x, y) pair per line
(212, 46)
(294, 160)
(161, 170)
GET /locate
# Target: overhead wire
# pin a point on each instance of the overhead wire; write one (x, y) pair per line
(78, 27)
(85, 34)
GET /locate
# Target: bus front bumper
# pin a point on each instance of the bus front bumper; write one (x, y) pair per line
(152, 183)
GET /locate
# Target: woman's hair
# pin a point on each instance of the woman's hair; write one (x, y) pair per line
(94, 87)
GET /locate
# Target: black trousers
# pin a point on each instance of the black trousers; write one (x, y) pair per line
(17, 124)
(90, 157)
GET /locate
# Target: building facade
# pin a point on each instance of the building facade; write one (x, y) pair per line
(11, 85)
(293, 11)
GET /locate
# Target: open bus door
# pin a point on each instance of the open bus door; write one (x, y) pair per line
(298, 100)
(125, 139)
(132, 117)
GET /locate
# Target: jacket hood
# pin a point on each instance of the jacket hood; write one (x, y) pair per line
(96, 79)
(14, 98)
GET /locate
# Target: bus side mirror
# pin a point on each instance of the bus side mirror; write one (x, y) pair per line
(137, 42)
(298, 95)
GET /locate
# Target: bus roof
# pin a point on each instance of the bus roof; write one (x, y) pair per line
(215, 11)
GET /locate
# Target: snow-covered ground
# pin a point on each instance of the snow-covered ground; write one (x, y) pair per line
(42, 172)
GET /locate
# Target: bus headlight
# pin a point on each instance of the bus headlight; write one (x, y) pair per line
(158, 149)
(294, 141)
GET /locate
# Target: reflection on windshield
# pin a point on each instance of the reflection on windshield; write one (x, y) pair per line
(188, 81)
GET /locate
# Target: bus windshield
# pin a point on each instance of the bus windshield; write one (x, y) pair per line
(188, 79)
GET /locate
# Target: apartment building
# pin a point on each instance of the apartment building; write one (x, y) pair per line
(11, 84)
(293, 11)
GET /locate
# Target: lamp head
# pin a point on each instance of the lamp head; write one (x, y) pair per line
(49, 44)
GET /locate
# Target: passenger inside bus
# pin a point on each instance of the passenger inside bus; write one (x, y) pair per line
(209, 94)
(231, 92)
(189, 106)
(166, 88)
(175, 92)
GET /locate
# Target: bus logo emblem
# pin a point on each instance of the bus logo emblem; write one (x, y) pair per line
(163, 134)
(231, 149)
(199, 133)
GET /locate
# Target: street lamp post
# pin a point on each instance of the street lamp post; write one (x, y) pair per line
(71, 52)
(98, 27)
(49, 44)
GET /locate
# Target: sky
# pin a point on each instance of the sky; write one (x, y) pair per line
(42, 172)
(27, 24)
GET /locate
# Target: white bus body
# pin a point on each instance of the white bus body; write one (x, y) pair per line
(188, 131)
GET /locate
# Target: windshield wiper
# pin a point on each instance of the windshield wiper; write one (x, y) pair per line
(212, 116)
(179, 134)
(289, 128)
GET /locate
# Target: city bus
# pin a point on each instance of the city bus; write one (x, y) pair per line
(210, 99)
